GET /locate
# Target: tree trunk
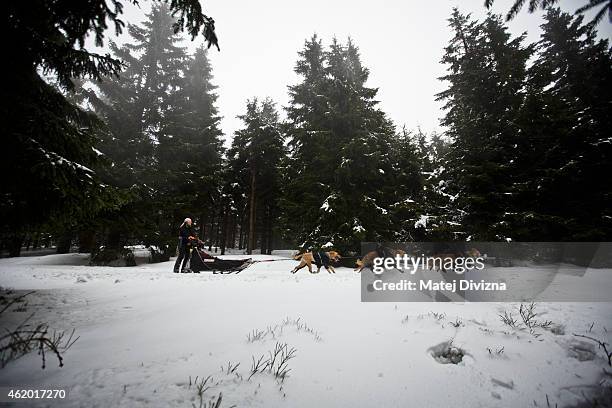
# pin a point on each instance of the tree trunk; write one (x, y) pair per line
(212, 226)
(264, 231)
(245, 227)
(269, 233)
(218, 233)
(234, 226)
(113, 241)
(252, 212)
(36, 242)
(224, 231)
(87, 241)
(202, 226)
(14, 244)
(241, 234)
(64, 243)
(228, 229)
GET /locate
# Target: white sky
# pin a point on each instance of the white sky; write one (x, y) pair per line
(401, 42)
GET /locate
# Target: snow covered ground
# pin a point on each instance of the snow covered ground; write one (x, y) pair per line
(146, 332)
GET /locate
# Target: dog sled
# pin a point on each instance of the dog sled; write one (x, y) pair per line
(204, 262)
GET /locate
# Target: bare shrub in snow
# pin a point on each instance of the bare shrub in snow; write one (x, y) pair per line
(258, 366)
(230, 369)
(202, 386)
(438, 316)
(282, 355)
(214, 402)
(457, 323)
(275, 365)
(255, 335)
(498, 351)
(508, 319)
(601, 345)
(528, 316)
(277, 362)
(276, 331)
(26, 338)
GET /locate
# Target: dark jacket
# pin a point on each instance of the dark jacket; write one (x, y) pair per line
(185, 232)
(321, 258)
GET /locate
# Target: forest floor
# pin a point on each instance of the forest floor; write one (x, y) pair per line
(146, 333)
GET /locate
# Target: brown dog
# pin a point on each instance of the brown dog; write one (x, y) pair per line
(368, 259)
(319, 259)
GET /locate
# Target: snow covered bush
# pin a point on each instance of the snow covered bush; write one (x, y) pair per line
(112, 257)
(158, 255)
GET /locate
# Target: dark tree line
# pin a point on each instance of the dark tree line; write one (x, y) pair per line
(524, 155)
(49, 166)
(530, 140)
(163, 138)
(526, 146)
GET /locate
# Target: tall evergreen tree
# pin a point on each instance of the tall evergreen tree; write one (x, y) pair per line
(134, 106)
(341, 151)
(567, 147)
(164, 139)
(200, 137)
(311, 166)
(49, 140)
(358, 204)
(256, 154)
(485, 93)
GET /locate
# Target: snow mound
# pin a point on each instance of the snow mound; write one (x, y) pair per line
(447, 353)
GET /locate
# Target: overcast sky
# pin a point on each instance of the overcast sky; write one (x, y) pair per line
(401, 42)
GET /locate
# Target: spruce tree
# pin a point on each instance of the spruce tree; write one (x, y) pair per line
(342, 159)
(311, 165)
(567, 147)
(485, 93)
(423, 210)
(200, 137)
(256, 154)
(358, 207)
(164, 139)
(50, 141)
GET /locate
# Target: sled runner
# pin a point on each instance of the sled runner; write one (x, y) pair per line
(203, 262)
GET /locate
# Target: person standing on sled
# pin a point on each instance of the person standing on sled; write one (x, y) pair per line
(186, 239)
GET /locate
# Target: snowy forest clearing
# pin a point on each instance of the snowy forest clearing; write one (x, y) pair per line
(146, 333)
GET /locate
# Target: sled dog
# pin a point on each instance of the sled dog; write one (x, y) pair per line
(368, 259)
(318, 258)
